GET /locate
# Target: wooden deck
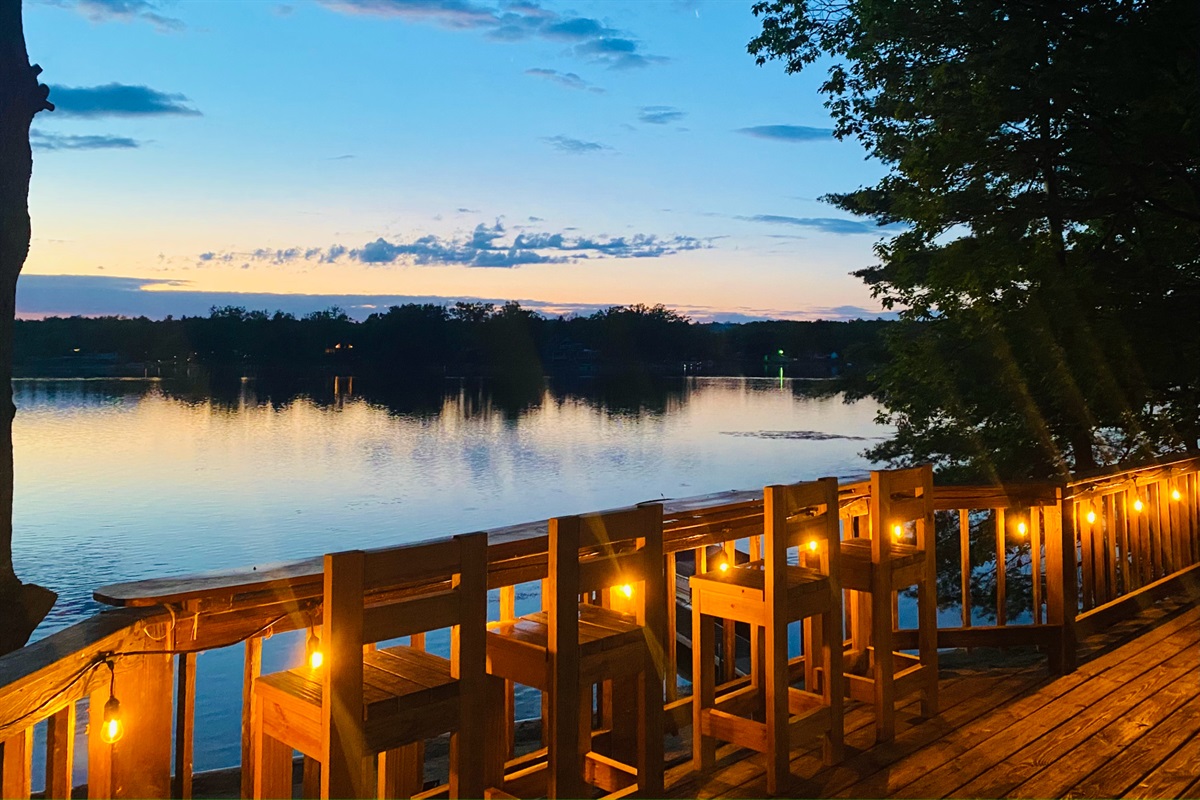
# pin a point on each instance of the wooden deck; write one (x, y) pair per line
(1125, 724)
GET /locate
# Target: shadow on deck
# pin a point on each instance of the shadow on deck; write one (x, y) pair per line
(1125, 724)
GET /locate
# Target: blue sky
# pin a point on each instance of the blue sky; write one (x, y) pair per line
(568, 155)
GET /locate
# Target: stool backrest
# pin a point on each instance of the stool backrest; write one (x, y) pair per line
(805, 516)
(421, 587)
(899, 497)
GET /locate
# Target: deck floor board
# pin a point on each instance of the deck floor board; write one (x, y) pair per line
(1125, 723)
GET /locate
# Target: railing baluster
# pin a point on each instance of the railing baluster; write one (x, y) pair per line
(251, 669)
(60, 753)
(1035, 559)
(185, 720)
(964, 561)
(1085, 555)
(1001, 567)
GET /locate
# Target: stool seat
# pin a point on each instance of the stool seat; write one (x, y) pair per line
(395, 681)
(600, 629)
(904, 565)
(739, 593)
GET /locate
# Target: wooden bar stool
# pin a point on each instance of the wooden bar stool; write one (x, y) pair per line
(898, 554)
(569, 647)
(359, 704)
(769, 594)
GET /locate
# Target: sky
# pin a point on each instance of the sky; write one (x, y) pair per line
(365, 153)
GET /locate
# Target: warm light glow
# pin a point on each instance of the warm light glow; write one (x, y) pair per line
(813, 545)
(627, 590)
(1021, 528)
(1137, 505)
(313, 646)
(897, 531)
(1175, 495)
(112, 729)
(723, 566)
(1091, 517)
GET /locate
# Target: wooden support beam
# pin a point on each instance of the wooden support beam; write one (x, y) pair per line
(251, 668)
(139, 764)
(16, 771)
(185, 720)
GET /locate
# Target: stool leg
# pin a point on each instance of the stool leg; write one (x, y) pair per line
(650, 732)
(273, 778)
(623, 704)
(401, 772)
(778, 740)
(833, 683)
(927, 643)
(704, 678)
(497, 749)
(884, 671)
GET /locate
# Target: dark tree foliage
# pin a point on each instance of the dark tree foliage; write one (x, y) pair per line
(1044, 161)
(412, 343)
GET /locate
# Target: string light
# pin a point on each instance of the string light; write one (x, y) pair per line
(1175, 495)
(112, 728)
(1021, 528)
(897, 530)
(723, 566)
(627, 590)
(1137, 505)
(1091, 516)
(313, 649)
(813, 545)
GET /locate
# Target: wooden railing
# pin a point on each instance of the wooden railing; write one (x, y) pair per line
(1112, 566)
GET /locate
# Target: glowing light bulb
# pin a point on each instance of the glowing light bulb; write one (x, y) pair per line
(813, 545)
(1091, 517)
(315, 657)
(627, 590)
(897, 531)
(1021, 528)
(1137, 505)
(112, 729)
(1175, 495)
(723, 566)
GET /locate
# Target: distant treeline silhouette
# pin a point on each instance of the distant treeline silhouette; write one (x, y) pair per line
(463, 339)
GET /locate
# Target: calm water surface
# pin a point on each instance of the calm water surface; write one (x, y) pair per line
(119, 480)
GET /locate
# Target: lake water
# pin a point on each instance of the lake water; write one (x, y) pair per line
(119, 480)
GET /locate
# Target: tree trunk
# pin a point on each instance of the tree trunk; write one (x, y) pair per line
(20, 98)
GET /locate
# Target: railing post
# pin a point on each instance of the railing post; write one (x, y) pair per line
(1062, 598)
(139, 764)
(16, 772)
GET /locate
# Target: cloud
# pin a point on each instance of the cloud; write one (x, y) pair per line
(122, 11)
(568, 145)
(97, 295)
(485, 246)
(40, 140)
(567, 79)
(117, 100)
(517, 21)
(788, 133)
(660, 115)
(834, 225)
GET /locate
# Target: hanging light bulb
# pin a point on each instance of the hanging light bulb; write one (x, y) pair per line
(897, 530)
(1175, 495)
(112, 728)
(1021, 528)
(723, 566)
(627, 590)
(1137, 505)
(313, 650)
(1091, 517)
(813, 545)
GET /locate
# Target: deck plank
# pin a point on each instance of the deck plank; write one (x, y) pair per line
(1126, 722)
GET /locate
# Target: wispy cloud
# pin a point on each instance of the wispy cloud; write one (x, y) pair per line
(485, 246)
(788, 133)
(568, 79)
(122, 11)
(567, 144)
(117, 100)
(660, 115)
(514, 21)
(835, 225)
(40, 140)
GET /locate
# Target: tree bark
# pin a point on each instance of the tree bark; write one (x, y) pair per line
(21, 97)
